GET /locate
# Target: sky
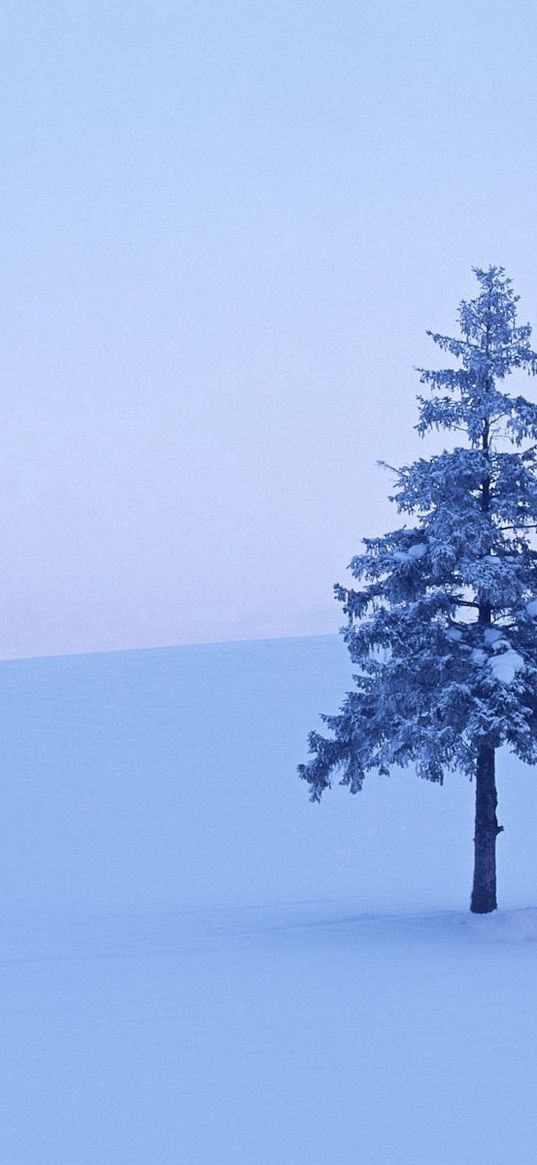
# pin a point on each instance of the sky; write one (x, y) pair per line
(227, 226)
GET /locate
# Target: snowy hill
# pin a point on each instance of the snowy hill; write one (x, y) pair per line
(199, 966)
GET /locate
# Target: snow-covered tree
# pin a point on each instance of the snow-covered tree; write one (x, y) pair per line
(442, 626)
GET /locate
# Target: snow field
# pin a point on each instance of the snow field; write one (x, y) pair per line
(198, 966)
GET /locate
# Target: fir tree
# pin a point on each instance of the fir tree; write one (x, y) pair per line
(442, 625)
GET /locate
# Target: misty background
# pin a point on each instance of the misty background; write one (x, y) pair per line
(226, 227)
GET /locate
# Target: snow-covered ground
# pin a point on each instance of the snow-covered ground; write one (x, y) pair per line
(201, 968)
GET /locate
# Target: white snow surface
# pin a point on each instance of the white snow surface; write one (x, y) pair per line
(454, 634)
(412, 554)
(493, 636)
(506, 665)
(201, 967)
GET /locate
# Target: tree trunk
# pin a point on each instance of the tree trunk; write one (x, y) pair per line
(486, 832)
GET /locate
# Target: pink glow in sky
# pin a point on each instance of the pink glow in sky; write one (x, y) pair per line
(226, 228)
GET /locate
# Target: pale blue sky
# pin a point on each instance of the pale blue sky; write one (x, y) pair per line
(226, 227)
